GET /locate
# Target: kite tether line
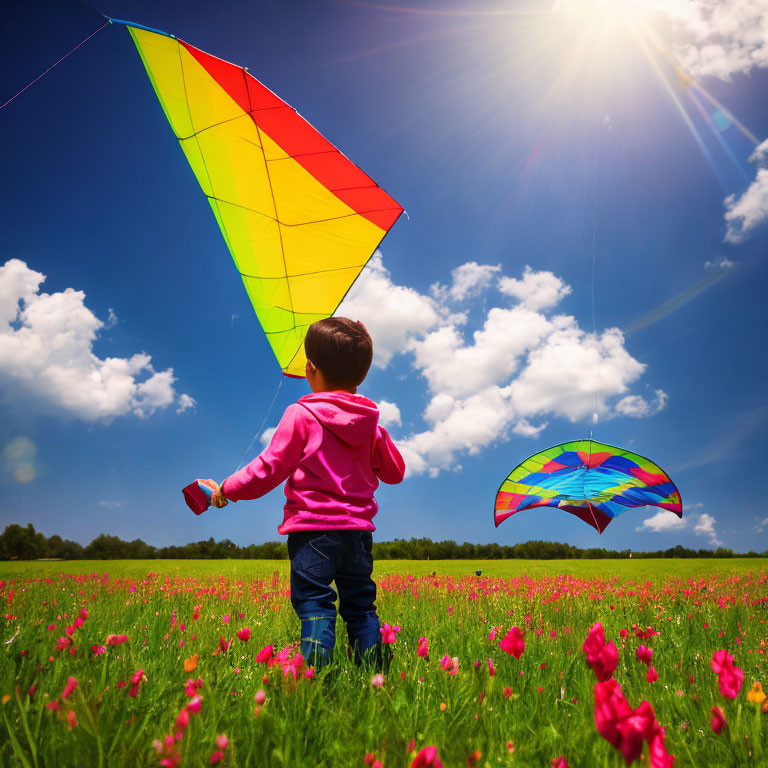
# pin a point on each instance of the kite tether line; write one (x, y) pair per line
(263, 422)
(43, 74)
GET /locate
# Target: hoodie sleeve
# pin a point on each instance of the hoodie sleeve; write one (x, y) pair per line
(275, 463)
(387, 463)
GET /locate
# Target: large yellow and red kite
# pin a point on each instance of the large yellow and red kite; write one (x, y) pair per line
(300, 219)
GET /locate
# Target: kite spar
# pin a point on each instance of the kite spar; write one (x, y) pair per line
(300, 219)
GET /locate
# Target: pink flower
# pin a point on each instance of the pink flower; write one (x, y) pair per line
(309, 673)
(62, 643)
(225, 619)
(730, 676)
(265, 654)
(491, 668)
(492, 634)
(244, 634)
(98, 649)
(260, 697)
(718, 723)
(507, 691)
(71, 719)
(652, 675)
(68, 688)
(224, 644)
(644, 654)
(182, 720)
(423, 650)
(116, 639)
(195, 704)
(660, 758)
(427, 758)
(602, 658)
(222, 742)
(559, 762)
(388, 634)
(216, 757)
(513, 643)
(377, 680)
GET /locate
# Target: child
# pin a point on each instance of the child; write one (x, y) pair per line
(332, 451)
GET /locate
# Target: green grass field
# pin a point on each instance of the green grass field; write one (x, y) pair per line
(533, 709)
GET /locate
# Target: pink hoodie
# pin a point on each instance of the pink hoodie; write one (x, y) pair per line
(332, 451)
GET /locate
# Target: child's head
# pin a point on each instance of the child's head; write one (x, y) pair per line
(339, 349)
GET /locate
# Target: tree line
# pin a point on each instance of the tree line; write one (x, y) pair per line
(24, 543)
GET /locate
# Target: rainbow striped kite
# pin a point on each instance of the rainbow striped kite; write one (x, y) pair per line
(300, 219)
(594, 481)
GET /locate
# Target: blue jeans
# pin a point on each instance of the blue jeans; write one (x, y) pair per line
(317, 559)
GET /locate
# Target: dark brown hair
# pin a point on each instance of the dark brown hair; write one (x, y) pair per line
(341, 348)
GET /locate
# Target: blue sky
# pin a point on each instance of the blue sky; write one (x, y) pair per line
(523, 140)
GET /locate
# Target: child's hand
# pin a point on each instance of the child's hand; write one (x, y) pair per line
(218, 499)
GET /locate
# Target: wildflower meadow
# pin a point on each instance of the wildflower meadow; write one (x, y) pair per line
(196, 663)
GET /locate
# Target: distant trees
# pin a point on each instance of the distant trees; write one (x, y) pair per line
(24, 543)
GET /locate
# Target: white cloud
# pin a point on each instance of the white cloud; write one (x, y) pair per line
(719, 38)
(523, 365)
(18, 459)
(761, 525)
(574, 373)
(393, 314)
(705, 526)
(389, 414)
(744, 213)
(662, 521)
(110, 504)
(535, 290)
(721, 263)
(47, 362)
(266, 436)
(456, 368)
(468, 281)
(186, 403)
(638, 407)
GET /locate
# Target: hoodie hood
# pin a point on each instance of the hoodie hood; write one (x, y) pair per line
(352, 418)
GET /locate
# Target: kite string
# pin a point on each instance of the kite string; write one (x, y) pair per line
(263, 422)
(43, 74)
(594, 268)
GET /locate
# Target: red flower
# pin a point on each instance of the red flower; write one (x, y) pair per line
(513, 643)
(68, 688)
(602, 658)
(244, 634)
(423, 649)
(491, 668)
(559, 762)
(71, 719)
(182, 720)
(216, 757)
(660, 758)
(718, 723)
(644, 654)
(427, 758)
(652, 676)
(265, 654)
(224, 644)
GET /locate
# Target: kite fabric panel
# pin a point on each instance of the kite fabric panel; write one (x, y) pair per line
(594, 481)
(300, 219)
